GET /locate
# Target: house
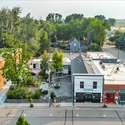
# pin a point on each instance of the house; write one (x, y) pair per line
(34, 64)
(114, 83)
(75, 45)
(2, 80)
(87, 80)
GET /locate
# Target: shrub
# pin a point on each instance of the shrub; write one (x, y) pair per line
(18, 93)
(37, 94)
(105, 106)
(22, 121)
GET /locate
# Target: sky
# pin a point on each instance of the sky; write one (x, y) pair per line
(41, 8)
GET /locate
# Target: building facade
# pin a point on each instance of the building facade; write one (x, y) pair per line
(114, 81)
(87, 81)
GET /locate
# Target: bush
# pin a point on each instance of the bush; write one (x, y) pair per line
(17, 93)
(22, 121)
(105, 106)
(37, 94)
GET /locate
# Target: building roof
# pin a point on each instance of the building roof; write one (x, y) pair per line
(113, 73)
(100, 55)
(77, 65)
(82, 65)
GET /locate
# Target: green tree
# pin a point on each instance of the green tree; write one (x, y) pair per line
(57, 60)
(111, 21)
(15, 65)
(75, 16)
(22, 121)
(44, 66)
(54, 17)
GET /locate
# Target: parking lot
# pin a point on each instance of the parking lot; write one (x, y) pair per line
(64, 92)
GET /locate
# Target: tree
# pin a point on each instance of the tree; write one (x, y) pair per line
(44, 42)
(75, 16)
(54, 17)
(120, 42)
(15, 66)
(57, 60)
(44, 65)
(22, 121)
(100, 17)
(116, 36)
(111, 21)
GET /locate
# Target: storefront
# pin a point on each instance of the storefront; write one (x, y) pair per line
(109, 96)
(114, 94)
(88, 97)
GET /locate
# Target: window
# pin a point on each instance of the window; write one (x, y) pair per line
(81, 84)
(34, 66)
(95, 85)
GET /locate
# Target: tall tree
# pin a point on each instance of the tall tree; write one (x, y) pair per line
(15, 65)
(57, 60)
(44, 65)
(54, 17)
(44, 42)
(75, 16)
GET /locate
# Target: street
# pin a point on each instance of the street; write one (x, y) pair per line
(63, 116)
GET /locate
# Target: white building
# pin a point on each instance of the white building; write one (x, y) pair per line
(87, 80)
(35, 66)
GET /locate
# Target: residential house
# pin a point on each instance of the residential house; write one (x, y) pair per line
(34, 64)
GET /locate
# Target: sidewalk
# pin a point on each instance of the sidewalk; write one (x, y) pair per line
(63, 105)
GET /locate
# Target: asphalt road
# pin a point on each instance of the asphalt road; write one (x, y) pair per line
(114, 51)
(64, 116)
